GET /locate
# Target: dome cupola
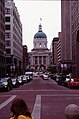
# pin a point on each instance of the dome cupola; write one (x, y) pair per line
(40, 33)
(40, 39)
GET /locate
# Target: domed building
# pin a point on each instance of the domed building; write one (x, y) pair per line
(40, 56)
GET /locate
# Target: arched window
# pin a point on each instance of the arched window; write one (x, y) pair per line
(45, 45)
(40, 45)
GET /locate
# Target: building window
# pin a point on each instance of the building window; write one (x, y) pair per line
(35, 59)
(7, 19)
(45, 45)
(78, 36)
(7, 35)
(7, 27)
(7, 43)
(7, 10)
(40, 45)
(40, 60)
(8, 51)
(44, 60)
(8, 60)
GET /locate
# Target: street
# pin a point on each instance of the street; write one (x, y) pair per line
(45, 99)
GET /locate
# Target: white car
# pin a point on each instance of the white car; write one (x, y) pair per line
(35, 74)
(29, 76)
(45, 77)
(15, 82)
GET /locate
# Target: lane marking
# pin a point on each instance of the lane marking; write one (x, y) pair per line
(7, 101)
(46, 90)
(68, 95)
(5, 95)
(37, 107)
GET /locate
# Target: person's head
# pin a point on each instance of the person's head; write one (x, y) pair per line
(72, 111)
(19, 107)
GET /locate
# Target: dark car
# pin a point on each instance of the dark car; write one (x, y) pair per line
(5, 84)
(60, 79)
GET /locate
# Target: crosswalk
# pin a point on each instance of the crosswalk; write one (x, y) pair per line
(7, 101)
(37, 104)
(37, 107)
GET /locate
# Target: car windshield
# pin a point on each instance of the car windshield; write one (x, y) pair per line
(3, 80)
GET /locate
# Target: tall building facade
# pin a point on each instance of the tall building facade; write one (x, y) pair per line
(13, 38)
(25, 57)
(65, 37)
(55, 51)
(59, 51)
(70, 34)
(75, 36)
(66, 31)
(2, 38)
(40, 56)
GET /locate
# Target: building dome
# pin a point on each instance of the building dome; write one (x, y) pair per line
(40, 34)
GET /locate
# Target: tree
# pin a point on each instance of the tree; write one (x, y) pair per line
(52, 69)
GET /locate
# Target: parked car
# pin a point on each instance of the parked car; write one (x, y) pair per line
(28, 73)
(24, 79)
(52, 76)
(73, 83)
(40, 74)
(5, 84)
(15, 82)
(29, 76)
(35, 74)
(61, 79)
(58, 78)
(65, 83)
(20, 79)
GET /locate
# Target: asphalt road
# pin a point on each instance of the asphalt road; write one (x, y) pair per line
(45, 99)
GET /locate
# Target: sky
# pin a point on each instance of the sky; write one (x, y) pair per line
(30, 13)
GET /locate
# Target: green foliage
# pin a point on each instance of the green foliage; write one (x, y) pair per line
(52, 69)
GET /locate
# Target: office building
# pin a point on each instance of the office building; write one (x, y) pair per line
(13, 39)
(2, 38)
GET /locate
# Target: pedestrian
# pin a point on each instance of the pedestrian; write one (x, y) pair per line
(20, 110)
(72, 111)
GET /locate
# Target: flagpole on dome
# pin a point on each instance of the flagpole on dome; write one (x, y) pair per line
(40, 21)
(40, 26)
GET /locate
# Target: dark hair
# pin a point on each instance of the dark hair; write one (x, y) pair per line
(19, 107)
